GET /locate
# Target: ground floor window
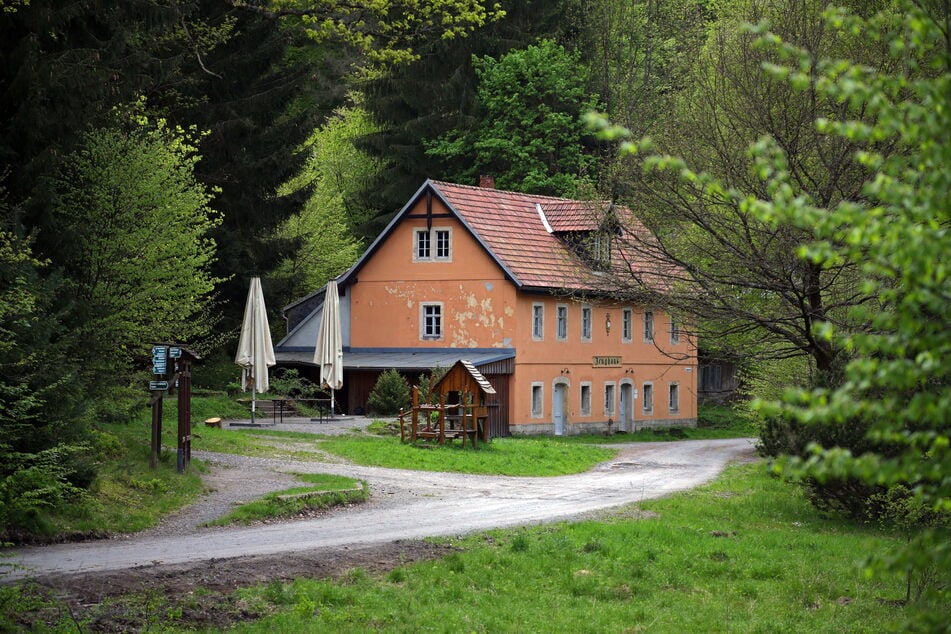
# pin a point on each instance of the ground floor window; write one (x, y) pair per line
(674, 404)
(538, 400)
(609, 399)
(648, 398)
(586, 399)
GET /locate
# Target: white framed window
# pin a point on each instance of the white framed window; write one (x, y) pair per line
(538, 322)
(647, 398)
(443, 244)
(648, 326)
(627, 325)
(674, 332)
(423, 248)
(586, 399)
(586, 323)
(538, 400)
(673, 401)
(432, 245)
(609, 398)
(561, 322)
(430, 321)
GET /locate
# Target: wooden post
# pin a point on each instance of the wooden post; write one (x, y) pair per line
(156, 402)
(415, 418)
(442, 419)
(184, 414)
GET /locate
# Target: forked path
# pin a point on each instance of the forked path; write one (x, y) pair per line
(406, 505)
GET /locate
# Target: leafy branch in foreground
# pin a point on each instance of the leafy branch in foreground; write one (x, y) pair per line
(899, 382)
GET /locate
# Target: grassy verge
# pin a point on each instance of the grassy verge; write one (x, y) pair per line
(713, 422)
(324, 491)
(745, 554)
(126, 495)
(503, 456)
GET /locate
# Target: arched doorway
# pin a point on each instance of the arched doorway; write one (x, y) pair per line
(559, 407)
(626, 423)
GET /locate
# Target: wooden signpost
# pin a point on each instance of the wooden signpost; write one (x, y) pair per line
(171, 367)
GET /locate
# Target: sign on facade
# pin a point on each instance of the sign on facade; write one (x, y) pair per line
(607, 362)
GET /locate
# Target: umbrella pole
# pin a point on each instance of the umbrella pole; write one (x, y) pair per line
(252, 403)
(331, 402)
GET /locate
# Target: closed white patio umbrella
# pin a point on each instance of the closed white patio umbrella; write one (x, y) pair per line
(328, 352)
(255, 350)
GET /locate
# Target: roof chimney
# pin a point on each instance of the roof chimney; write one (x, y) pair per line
(487, 182)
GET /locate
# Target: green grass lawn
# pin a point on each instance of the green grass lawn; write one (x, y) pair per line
(323, 491)
(744, 554)
(503, 456)
(127, 495)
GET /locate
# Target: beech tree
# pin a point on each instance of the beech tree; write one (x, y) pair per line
(134, 226)
(899, 381)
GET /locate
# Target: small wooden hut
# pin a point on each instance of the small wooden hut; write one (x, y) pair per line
(460, 410)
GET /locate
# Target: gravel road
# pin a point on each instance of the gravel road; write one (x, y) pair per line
(404, 505)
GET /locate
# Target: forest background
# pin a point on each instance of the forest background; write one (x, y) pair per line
(155, 155)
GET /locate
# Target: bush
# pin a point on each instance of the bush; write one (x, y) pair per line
(390, 394)
(288, 382)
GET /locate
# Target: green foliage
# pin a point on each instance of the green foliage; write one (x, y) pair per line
(386, 31)
(324, 228)
(390, 394)
(288, 382)
(41, 436)
(33, 485)
(418, 102)
(133, 224)
(428, 381)
(897, 384)
(529, 134)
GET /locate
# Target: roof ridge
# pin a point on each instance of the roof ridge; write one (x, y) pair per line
(508, 191)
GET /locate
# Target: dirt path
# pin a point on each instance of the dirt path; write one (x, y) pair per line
(405, 505)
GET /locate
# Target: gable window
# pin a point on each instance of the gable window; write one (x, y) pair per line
(648, 398)
(586, 323)
(627, 325)
(609, 399)
(586, 399)
(648, 326)
(430, 321)
(673, 404)
(674, 331)
(538, 400)
(562, 323)
(442, 244)
(431, 245)
(423, 250)
(538, 322)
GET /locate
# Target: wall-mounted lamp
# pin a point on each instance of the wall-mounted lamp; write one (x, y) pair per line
(607, 323)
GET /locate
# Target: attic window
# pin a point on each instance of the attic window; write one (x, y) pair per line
(594, 247)
(432, 245)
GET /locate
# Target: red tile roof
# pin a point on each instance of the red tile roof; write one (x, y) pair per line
(525, 234)
(510, 227)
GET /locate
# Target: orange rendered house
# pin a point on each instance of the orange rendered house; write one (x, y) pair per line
(509, 282)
